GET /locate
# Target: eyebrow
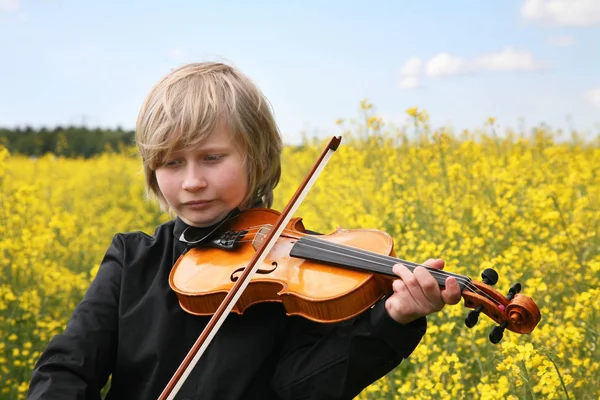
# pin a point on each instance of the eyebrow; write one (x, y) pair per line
(205, 149)
(213, 148)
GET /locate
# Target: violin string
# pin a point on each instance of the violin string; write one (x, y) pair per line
(433, 271)
(461, 278)
(465, 280)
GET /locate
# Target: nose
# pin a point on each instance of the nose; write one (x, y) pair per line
(194, 178)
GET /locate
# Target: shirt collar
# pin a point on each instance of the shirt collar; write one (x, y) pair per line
(179, 227)
(194, 233)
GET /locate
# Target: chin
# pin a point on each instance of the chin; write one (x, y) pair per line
(203, 222)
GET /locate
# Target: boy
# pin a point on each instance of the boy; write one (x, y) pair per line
(209, 144)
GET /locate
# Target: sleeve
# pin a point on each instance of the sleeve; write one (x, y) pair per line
(77, 363)
(337, 361)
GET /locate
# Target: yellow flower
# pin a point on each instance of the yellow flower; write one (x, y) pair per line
(23, 386)
(523, 205)
(374, 122)
(412, 111)
(365, 105)
(422, 116)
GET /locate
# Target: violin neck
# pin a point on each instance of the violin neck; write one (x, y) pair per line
(311, 248)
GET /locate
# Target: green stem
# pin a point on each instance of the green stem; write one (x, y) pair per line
(564, 223)
(529, 387)
(562, 382)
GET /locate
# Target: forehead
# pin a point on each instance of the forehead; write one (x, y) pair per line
(220, 137)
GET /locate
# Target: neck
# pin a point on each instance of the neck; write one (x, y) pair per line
(311, 248)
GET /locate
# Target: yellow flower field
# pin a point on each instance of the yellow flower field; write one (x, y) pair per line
(529, 207)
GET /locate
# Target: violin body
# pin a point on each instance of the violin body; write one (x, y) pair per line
(203, 276)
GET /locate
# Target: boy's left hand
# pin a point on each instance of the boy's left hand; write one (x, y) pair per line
(417, 294)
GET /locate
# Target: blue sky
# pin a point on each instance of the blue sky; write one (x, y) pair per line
(521, 61)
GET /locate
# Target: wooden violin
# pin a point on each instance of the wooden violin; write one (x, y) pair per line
(325, 278)
(261, 255)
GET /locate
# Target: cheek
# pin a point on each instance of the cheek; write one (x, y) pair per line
(233, 180)
(165, 184)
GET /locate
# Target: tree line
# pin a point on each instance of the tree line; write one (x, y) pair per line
(71, 141)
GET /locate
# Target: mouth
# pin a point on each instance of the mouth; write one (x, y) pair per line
(196, 202)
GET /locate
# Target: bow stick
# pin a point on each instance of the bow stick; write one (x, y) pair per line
(236, 291)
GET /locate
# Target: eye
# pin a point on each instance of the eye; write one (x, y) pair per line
(172, 163)
(213, 158)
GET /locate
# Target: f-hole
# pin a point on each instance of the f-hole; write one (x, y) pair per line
(260, 271)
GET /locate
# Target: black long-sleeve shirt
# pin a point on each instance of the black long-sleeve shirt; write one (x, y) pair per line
(129, 324)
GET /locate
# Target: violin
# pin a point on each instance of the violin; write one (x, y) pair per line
(325, 278)
(262, 255)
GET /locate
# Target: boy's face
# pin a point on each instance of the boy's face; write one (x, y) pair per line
(202, 185)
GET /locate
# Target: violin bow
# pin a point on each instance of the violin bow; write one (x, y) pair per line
(195, 353)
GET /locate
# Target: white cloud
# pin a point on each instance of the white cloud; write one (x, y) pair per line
(411, 73)
(507, 60)
(593, 96)
(412, 66)
(445, 64)
(561, 41)
(410, 82)
(9, 5)
(562, 12)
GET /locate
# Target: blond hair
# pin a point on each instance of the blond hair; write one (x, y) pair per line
(186, 105)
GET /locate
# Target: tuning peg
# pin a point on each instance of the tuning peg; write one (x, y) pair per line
(497, 332)
(489, 276)
(473, 316)
(516, 288)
